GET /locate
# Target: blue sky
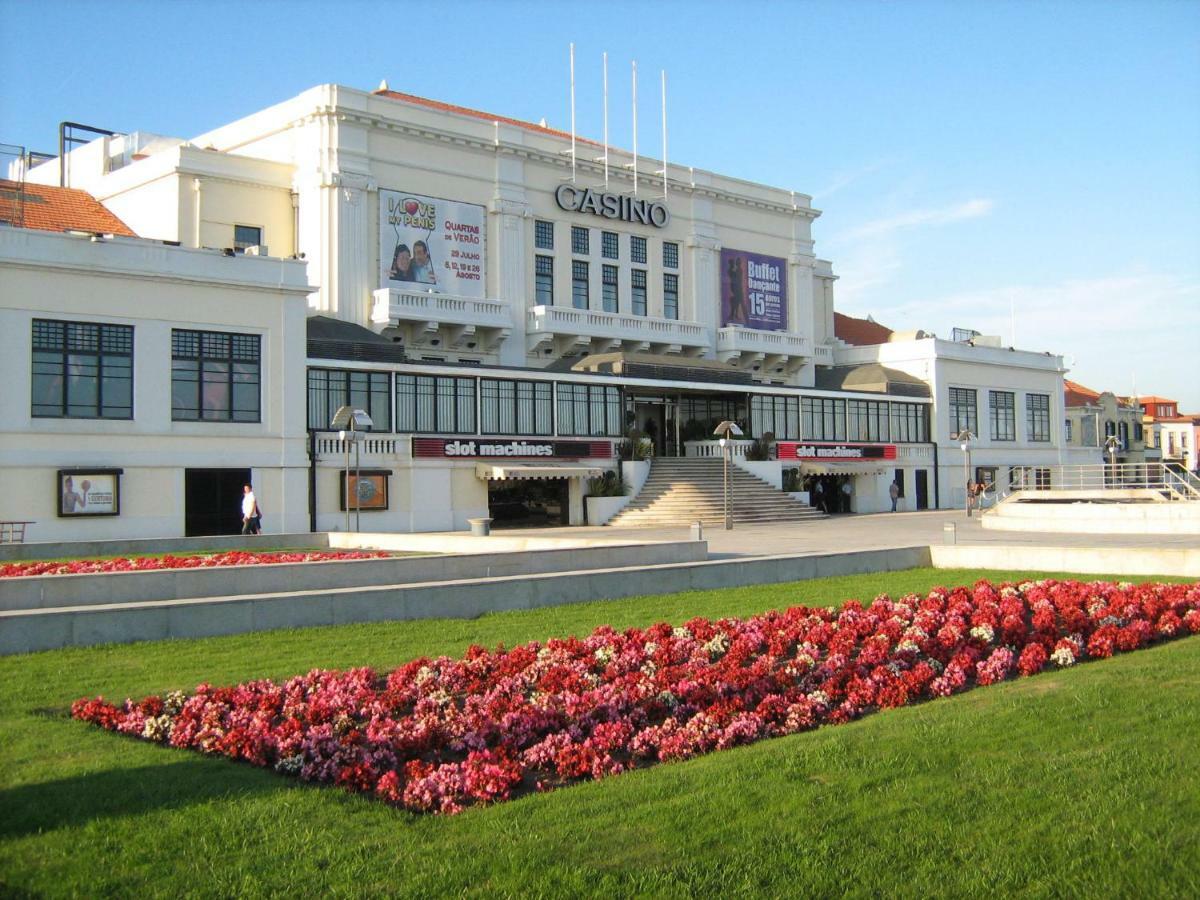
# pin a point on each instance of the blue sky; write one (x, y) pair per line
(1019, 168)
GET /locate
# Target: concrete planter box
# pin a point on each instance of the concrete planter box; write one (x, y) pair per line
(600, 510)
(635, 474)
(770, 470)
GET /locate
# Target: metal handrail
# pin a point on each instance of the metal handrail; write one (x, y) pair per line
(1171, 483)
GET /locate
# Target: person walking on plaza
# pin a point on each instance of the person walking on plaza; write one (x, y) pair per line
(894, 493)
(251, 517)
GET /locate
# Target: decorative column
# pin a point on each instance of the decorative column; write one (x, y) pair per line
(508, 264)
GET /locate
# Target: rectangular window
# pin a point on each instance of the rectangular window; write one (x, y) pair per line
(637, 249)
(1037, 416)
(215, 377)
(776, 415)
(1003, 407)
(898, 477)
(962, 412)
(543, 235)
(823, 419)
(329, 389)
(908, 423)
(515, 407)
(579, 284)
(1068, 430)
(670, 255)
(671, 296)
(544, 280)
(608, 289)
(246, 236)
(82, 370)
(580, 240)
(637, 282)
(588, 410)
(427, 404)
(609, 248)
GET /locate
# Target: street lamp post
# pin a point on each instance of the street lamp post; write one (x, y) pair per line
(1112, 444)
(724, 431)
(964, 438)
(349, 421)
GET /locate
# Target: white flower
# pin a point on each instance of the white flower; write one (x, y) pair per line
(680, 633)
(1062, 657)
(983, 632)
(604, 655)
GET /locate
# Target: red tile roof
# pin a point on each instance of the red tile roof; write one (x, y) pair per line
(859, 332)
(479, 114)
(1075, 394)
(56, 209)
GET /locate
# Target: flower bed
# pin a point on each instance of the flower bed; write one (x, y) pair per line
(439, 735)
(157, 563)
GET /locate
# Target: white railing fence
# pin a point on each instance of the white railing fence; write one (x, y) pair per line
(1170, 483)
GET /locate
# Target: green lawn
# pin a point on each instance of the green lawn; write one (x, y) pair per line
(1073, 783)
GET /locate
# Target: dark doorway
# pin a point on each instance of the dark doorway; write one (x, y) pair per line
(529, 503)
(212, 501)
(922, 489)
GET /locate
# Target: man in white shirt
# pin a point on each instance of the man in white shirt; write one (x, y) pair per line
(250, 514)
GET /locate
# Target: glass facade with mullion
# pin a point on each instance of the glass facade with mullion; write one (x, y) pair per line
(215, 376)
(508, 406)
(823, 418)
(1002, 408)
(775, 414)
(81, 370)
(435, 404)
(329, 389)
(588, 410)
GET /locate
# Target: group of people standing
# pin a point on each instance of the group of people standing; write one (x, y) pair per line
(412, 265)
(830, 493)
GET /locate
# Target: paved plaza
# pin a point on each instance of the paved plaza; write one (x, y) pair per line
(868, 532)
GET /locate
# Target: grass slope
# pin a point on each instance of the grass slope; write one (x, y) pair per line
(1070, 783)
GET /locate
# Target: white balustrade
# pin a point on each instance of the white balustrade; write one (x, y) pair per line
(552, 321)
(753, 340)
(394, 307)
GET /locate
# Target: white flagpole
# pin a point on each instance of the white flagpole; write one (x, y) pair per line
(664, 117)
(572, 113)
(635, 158)
(606, 121)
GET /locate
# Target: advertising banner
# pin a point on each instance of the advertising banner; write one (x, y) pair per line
(429, 244)
(475, 448)
(89, 492)
(753, 290)
(802, 450)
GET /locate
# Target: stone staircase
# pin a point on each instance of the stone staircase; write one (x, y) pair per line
(680, 491)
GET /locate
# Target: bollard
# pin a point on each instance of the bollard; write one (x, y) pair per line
(949, 533)
(480, 527)
(697, 531)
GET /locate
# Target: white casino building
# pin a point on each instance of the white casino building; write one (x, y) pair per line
(506, 312)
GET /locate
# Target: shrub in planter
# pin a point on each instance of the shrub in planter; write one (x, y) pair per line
(762, 449)
(610, 484)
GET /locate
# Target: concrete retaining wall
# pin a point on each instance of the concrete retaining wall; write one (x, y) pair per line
(45, 629)
(178, 546)
(50, 591)
(1128, 561)
(1082, 517)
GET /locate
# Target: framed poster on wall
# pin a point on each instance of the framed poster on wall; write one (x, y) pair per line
(754, 292)
(89, 492)
(371, 486)
(431, 244)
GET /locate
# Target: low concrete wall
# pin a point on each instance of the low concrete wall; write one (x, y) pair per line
(30, 630)
(1126, 561)
(50, 591)
(217, 542)
(1095, 518)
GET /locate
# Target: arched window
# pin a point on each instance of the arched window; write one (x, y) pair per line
(1110, 428)
(1123, 433)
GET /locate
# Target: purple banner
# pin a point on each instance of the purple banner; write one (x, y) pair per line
(753, 290)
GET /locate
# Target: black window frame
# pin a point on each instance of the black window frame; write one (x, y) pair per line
(964, 411)
(204, 348)
(610, 245)
(637, 249)
(543, 280)
(241, 243)
(543, 234)
(1004, 428)
(670, 295)
(587, 410)
(527, 405)
(670, 255)
(59, 348)
(610, 291)
(1037, 418)
(581, 240)
(637, 292)
(580, 284)
(450, 408)
(375, 397)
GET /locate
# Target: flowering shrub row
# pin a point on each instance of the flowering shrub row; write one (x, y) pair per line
(155, 563)
(442, 734)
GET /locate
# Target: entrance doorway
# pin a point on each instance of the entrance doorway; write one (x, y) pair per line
(922, 481)
(212, 501)
(529, 503)
(658, 419)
